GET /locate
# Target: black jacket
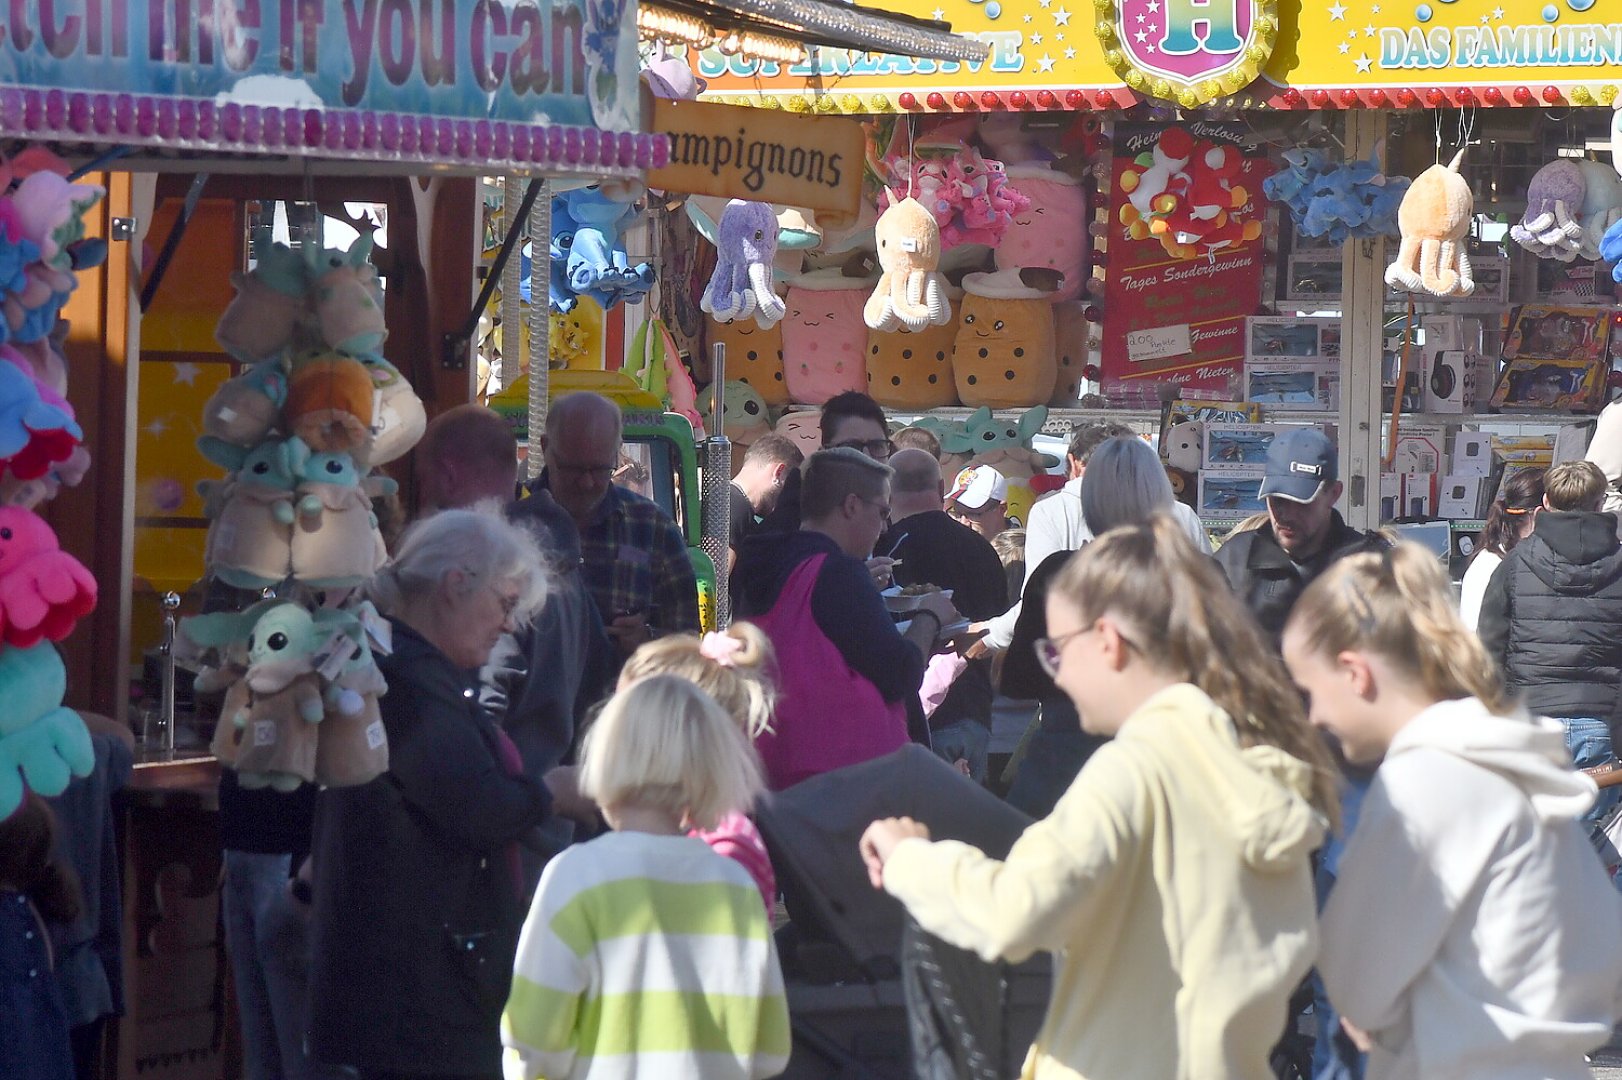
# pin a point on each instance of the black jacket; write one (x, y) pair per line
(1269, 583)
(1552, 617)
(417, 907)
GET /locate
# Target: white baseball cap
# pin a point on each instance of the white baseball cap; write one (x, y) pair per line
(978, 485)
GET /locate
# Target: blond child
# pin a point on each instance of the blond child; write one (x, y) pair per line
(1171, 881)
(1472, 934)
(646, 953)
(732, 667)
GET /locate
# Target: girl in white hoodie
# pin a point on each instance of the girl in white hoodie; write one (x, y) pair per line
(1472, 933)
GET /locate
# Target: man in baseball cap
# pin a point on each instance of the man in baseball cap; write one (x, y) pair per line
(1269, 567)
(979, 498)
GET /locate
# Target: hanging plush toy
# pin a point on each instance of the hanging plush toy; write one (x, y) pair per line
(42, 744)
(34, 434)
(741, 285)
(588, 258)
(1553, 204)
(1435, 217)
(246, 408)
(259, 321)
(271, 715)
(655, 364)
(352, 747)
(329, 401)
(347, 297)
(1601, 206)
(398, 418)
(44, 591)
(1332, 199)
(250, 536)
(911, 294)
(336, 543)
(983, 439)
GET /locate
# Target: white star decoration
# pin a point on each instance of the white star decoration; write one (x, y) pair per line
(1061, 17)
(1368, 31)
(157, 427)
(1376, 9)
(1337, 11)
(1070, 54)
(1154, 5)
(1149, 48)
(1152, 28)
(1036, 39)
(1027, 18)
(1058, 36)
(1484, 20)
(1142, 18)
(1141, 36)
(186, 373)
(1045, 63)
(1344, 48)
(1498, 14)
(938, 15)
(1363, 63)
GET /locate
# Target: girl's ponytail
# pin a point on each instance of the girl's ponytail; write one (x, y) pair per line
(1188, 623)
(734, 666)
(1398, 605)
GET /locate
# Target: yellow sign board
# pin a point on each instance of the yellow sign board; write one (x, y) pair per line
(1036, 45)
(740, 153)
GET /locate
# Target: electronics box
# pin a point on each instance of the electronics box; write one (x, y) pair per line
(1390, 495)
(1308, 385)
(1465, 497)
(1238, 447)
(1284, 337)
(1524, 449)
(1418, 495)
(1456, 381)
(1472, 454)
(1419, 449)
(1230, 496)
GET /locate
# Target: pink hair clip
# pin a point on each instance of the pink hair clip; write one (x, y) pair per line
(719, 647)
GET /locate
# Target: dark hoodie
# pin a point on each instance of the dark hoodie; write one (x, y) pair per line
(1552, 617)
(846, 607)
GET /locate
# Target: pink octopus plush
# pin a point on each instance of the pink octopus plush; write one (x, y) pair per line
(44, 591)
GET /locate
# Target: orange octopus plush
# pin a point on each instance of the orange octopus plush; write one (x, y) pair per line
(913, 371)
(911, 293)
(1003, 355)
(754, 356)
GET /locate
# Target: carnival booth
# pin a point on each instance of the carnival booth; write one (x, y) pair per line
(1210, 221)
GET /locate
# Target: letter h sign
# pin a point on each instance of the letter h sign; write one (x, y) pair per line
(1221, 19)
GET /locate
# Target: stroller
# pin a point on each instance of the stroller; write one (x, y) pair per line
(870, 995)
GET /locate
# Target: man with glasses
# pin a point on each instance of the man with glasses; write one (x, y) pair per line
(847, 677)
(633, 556)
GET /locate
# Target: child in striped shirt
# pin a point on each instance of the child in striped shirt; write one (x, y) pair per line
(731, 666)
(646, 954)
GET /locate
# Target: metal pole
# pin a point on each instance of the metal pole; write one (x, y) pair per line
(540, 325)
(171, 604)
(715, 491)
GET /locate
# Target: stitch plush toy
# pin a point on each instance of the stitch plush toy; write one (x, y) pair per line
(42, 745)
(1435, 216)
(336, 543)
(250, 540)
(329, 401)
(353, 747)
(911, 293)
(1003, 354)
(44, 591)
(347, 298)
(741, 284)
(588, 258)
(259, 321)
(247, 408)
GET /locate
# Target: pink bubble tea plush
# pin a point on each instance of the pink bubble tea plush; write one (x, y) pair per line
(1052, 231)
(824, 337)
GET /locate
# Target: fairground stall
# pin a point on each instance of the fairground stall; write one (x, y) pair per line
(1238, 213)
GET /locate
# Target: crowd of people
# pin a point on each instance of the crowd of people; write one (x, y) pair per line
(1291, 764)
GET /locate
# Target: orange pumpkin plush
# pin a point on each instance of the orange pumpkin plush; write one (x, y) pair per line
(754, 356)
(907, 370)
(329, 401)
(1070, 346)
(1003, 355)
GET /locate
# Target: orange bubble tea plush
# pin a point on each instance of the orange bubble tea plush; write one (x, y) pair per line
(1003, 356)
(907, 370)
(754, 356)
(824, 337)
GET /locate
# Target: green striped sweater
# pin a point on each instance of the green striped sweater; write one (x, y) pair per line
(645, 956)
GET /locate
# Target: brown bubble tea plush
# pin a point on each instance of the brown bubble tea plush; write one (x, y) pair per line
(1003, 355)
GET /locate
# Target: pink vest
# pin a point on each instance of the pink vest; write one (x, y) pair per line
(828, 716)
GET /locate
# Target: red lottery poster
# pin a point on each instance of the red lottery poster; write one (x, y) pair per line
(1185, 260)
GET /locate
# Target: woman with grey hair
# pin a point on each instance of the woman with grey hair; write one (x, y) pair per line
(417, 888)
(1125, 484)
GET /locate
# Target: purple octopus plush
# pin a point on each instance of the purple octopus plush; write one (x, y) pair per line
(742, 282)
(1554, 201)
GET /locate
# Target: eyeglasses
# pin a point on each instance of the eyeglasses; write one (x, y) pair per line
(877, 449)
(883, 507)
(1049, 649)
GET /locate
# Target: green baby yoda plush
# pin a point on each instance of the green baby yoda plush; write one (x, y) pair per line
(250, 539)
(42, 745)
(353, 748)
(336, 542)
(260, 321)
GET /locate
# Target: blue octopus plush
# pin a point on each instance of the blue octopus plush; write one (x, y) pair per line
(42, 744)
(1334, 200)
(588, 257)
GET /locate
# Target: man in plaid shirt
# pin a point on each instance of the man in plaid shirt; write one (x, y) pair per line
(633, 556)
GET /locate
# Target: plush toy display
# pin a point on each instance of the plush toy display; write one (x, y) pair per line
(1003, 354)
(250, 533)
(353, 747)
(398, 416)
(274, 723)
(1601, 207)
(42, 745)
(908, 370)
(1045, 234)
(348, 297)
(824, 336)
(44, 591)
(1333, 199)
(655, 363)
(1187, 193)
(34, 434)
(247, 407)
(1070, 336)
(744, 419)
(1435, 216)
(968, 195)
(804, 426)
(1553, 206)
(588, 256)
(741, 285)
(911, 294)
(754, 356)
(329, 401)
(983, 439)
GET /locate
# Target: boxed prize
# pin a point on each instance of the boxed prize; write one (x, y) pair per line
(1491, 275)
(1548, 332)
(1280, 337)
(1472, 454)
(1538, 383)
(1308, 385)
(1455, 381)
(1418, 495)
(1314, 275)
(1390, 495)
(1524, 449)
(1230, 495)
(1238, 447)
(1464, 497)
(1419, 449)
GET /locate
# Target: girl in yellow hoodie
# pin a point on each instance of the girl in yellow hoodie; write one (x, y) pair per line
(1172, 878)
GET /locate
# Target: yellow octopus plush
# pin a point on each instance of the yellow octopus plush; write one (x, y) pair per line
(911, 294)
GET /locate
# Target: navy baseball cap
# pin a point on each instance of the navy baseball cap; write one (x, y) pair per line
(1299, 464)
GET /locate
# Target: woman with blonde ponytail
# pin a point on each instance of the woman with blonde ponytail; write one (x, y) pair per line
(1471, 933)
(1172, 878)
